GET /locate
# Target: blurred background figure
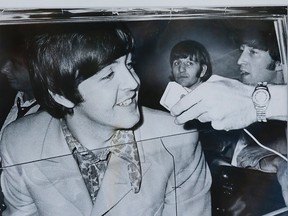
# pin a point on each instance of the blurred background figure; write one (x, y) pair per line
(14, 68)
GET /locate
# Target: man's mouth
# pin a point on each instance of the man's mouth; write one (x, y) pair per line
(244, 73)
(126, 102)
(11, 80)
(183, 76)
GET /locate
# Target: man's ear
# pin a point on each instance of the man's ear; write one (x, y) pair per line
(278, 66)
(203, 72)
(61, 100)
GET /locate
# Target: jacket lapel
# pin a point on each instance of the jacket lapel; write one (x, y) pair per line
(60, 168)
(116, 187)
(62, 171)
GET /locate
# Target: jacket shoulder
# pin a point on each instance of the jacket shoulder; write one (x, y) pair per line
(159, 137)
(157, 123)
(25, 135)
(159, 131)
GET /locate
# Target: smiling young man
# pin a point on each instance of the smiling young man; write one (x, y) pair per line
(190, 63)
(93, 151)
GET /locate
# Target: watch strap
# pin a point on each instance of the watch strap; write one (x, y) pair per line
(261, 113)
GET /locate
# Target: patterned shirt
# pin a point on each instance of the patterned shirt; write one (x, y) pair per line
(93, 165)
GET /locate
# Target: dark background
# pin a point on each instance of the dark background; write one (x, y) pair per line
(154, 40)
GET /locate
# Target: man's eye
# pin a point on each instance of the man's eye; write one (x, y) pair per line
(130, 65)
(253, 52)
(176, 63)
(189, 63)
(109, 76)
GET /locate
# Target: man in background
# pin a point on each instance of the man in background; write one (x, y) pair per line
(14, 68)
(190, 63)
(260, 65)
(232, 105)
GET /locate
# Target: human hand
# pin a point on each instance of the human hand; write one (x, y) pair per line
(224, 102)
(256, 157)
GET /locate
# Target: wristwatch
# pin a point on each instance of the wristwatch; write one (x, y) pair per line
(261, 97)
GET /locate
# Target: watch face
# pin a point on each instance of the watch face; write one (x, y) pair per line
(261, 97)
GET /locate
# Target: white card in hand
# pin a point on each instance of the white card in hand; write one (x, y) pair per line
(172, 94)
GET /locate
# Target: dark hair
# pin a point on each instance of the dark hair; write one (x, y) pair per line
(196, 52)
(262, 40)
(61, 59)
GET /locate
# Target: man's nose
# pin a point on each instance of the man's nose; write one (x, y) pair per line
(6, 68)
(243, 58)
(182, 67)
(130, 80)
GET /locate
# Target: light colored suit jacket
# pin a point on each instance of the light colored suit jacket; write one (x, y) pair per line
(40, 176)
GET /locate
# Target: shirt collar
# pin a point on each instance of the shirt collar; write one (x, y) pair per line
(123, 145)
(20, 95)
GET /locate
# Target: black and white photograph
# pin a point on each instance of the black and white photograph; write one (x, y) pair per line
(144, 111)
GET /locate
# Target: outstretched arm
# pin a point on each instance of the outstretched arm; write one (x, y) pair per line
(227, 104)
